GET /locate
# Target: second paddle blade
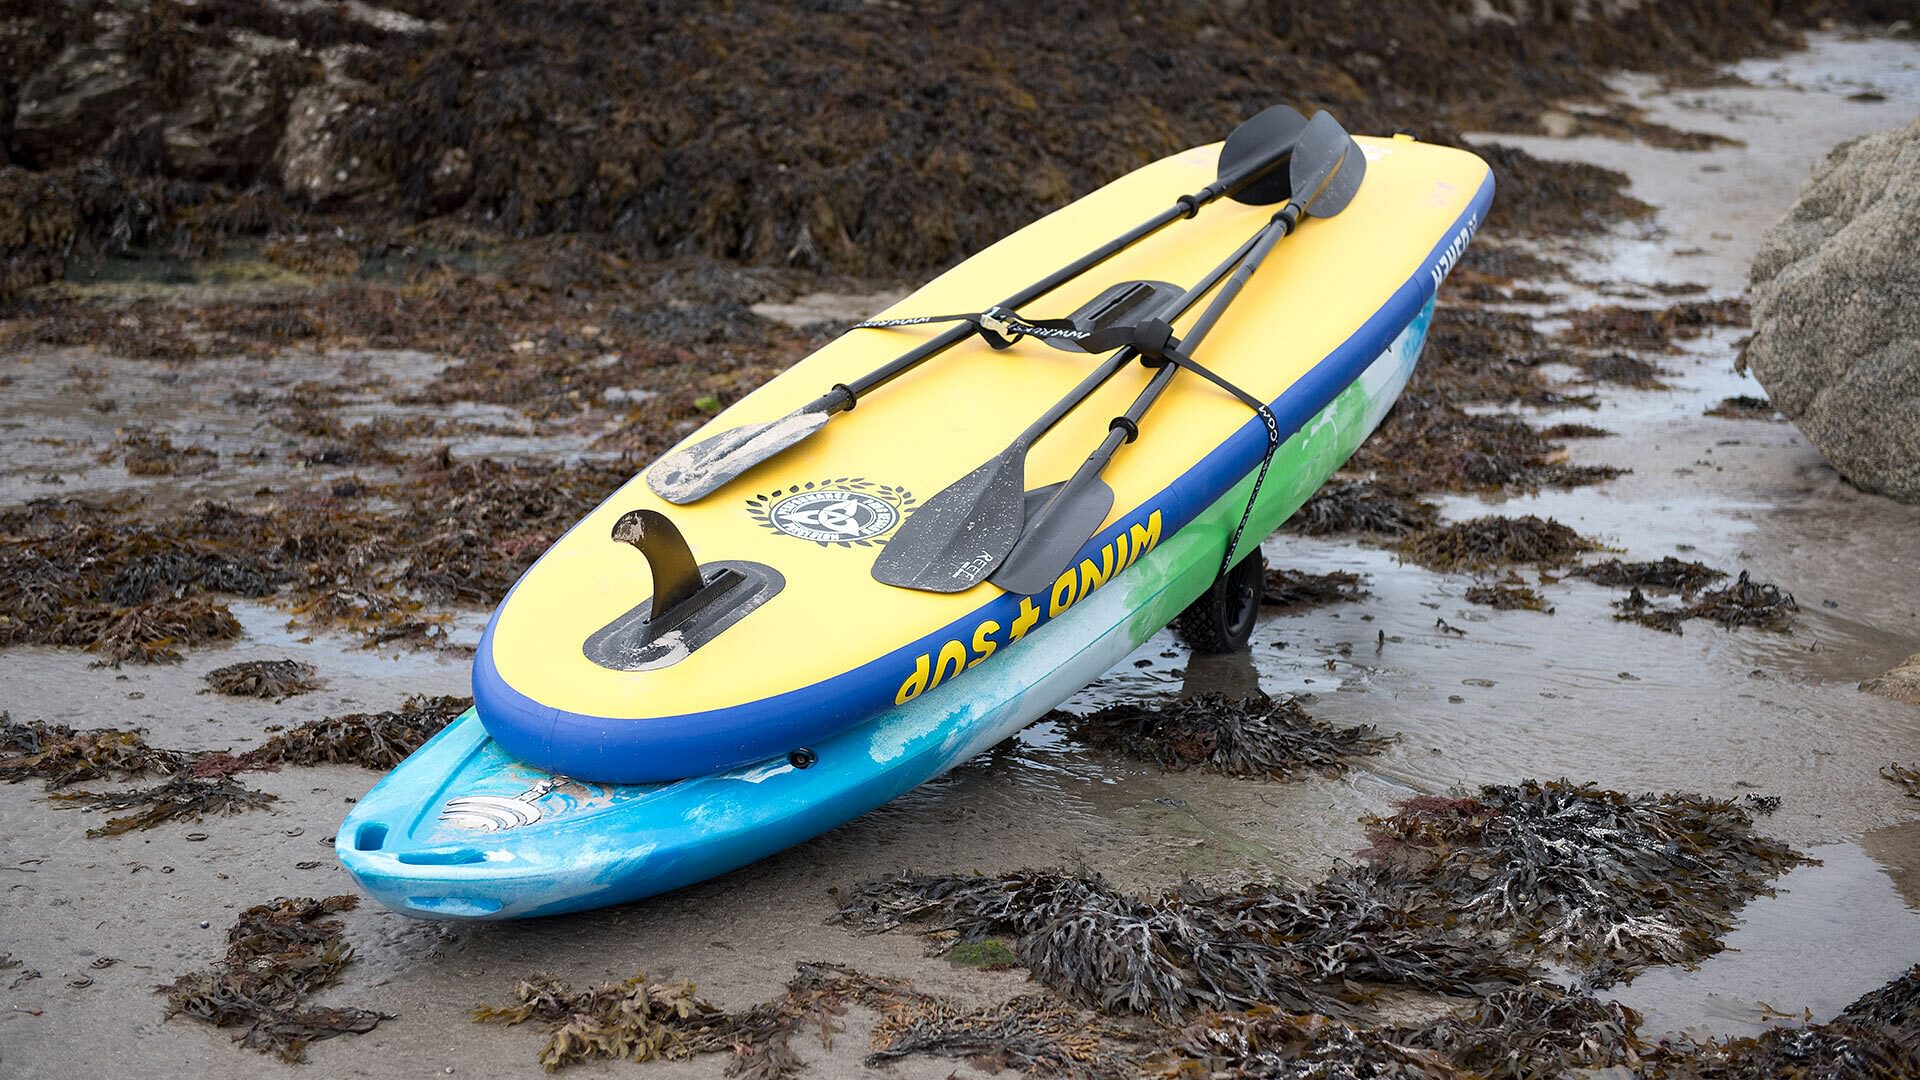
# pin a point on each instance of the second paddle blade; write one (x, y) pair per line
(703, 468)
(1055, 535)
(957, 537)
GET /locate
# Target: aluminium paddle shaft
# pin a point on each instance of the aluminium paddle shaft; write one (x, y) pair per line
(1327, 170)
(1119, 360)
(1033, 574)
(844, 396)
(1249, 171)
(959, 535)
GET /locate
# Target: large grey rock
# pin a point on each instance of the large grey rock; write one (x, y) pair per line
(1836, 311)
(314, 160)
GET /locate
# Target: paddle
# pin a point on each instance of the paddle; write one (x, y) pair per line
(1327, 169)
(956, 537)
(1248, 172)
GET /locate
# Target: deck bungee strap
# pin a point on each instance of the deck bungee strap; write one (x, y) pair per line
(998, 327)
(1103, 324)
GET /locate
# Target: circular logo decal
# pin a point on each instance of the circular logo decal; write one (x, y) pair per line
(847, 511)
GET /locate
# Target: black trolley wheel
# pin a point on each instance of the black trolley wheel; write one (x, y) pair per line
(1221, 619)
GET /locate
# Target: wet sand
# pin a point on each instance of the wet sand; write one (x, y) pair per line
(1521, 694)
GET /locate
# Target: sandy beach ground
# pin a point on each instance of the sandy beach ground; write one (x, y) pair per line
(1520, 694)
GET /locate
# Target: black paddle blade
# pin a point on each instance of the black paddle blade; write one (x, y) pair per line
(703, 468)
(1059, 530)
(1265, 137)
(1327, 167)
(957, 537)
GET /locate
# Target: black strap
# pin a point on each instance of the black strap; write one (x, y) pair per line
(1171, 354)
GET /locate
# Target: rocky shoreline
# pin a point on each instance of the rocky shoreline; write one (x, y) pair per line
(306, 361)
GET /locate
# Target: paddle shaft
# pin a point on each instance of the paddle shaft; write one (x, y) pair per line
(1249, 261)
(843, 397)
(1119, 360)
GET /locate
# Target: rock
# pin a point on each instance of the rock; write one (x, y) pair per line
(314, 160)
(1836, 312)
(228, 124)
(68, 109)
(1900, 684)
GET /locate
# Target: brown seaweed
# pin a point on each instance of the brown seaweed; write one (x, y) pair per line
(61, 755)
(372, 740)
(1196, 948)
(1257, 736)
(1037, 1035)
(1744, 603)
(1622, 369)
(1744, 407)
(188, 798)
(1289, 592)
(1265, 1042)
(1508, 597)
(1438, 447)
(1598, 879)
(638, 1020)
(276, 679)
(152, 453)
(1534, 1031)
(1877, 1037)
(1490, 541)
(1363, 506)
(1904, 775)
(102, 577)
(278, 955)
(1645, 329)
(1669, 573)
(1574, 431)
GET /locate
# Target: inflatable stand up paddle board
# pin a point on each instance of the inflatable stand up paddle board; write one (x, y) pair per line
(824, 598)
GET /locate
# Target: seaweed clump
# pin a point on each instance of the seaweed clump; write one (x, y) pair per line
(97, 576)
(1678, 575)
(1508, 598)
(152, 453)
(61, 755)
(1256, 736)
(1604, 881)
(1875, 1038)
(640, 1021)
(1744, 407)
(188, 798)
(1363, 506)
(278, 955)
(1906, 776)
(375, 740)
(1196, 948)
(633, 1019)
(1293, 591)
(1439, 447)
(1622, 369)
(1521, 1033)
(1744, 603)
(1616, 327)
(1536, 1030)
(276, 679)
(1264, 1042)
(1489, 541)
